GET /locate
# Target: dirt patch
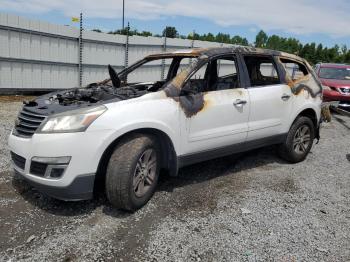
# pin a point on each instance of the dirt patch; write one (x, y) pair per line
(285, 185)
(15, 98)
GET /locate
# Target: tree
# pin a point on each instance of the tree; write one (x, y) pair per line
(223, 38)
(209, 37)
(347, 57)
(145, 33)
(170, 31)
(97, 30)
(344, 51)
(273, 42)
(319, 53)
(261, 39)
(194, 36)
(237, 40)
(312, 52)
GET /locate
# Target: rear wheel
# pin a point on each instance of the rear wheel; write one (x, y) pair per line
(299, 140)
(132, 172)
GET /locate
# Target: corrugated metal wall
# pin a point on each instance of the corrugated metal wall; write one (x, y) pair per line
(36, 55)
(40, 55)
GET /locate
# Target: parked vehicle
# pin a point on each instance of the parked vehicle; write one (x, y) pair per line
(126, 129)
(335, 79)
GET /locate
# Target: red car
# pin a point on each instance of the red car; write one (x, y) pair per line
(335, 79)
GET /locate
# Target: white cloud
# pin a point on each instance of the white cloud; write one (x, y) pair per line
(295, 16)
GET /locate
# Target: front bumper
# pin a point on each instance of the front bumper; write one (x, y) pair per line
(335, 96)
(81, 188)
(344, 99)
(84, 149)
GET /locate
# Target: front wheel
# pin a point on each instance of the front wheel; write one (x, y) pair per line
(299, 140)
(132, 172)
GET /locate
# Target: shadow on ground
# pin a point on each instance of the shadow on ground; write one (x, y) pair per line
(194, 174)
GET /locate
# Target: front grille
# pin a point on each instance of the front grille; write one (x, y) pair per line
(27, 123)
(38, 168)
(18, 160)
(345, 90)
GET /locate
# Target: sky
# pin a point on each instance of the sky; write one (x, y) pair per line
(320, 21)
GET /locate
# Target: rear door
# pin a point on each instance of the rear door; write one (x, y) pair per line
(223, 121)
(270, 101)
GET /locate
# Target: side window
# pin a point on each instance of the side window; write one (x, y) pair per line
(200, 73)
(227, 77)
(268, 70)
(294, 69)
(197, 81)
(149, 72)
(262, 70)
(219, 74)
(184, 63)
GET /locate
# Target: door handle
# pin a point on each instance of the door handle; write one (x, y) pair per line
(239, 102)
(285, 97)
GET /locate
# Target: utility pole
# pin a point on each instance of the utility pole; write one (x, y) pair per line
(162, 74)
(123, 14)
(81, 51)
(192, 44)
(126, 58)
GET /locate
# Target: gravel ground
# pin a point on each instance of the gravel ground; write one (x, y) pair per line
(251, 207)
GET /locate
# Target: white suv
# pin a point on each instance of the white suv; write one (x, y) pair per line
(125, 130)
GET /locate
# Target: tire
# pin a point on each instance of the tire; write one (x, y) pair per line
(295, 149)
(126, 171)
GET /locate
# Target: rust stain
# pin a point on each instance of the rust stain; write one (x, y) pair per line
(292, 83)
(191, 104)
(195, 52)
(179, 79)
(208, 102)
(302, 84)
(194, 103)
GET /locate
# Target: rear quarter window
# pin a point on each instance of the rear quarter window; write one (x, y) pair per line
(262, 70)
(295, 70)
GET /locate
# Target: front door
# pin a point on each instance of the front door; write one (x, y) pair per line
(223, 120)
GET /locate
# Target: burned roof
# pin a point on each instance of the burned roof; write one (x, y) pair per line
(212, 51)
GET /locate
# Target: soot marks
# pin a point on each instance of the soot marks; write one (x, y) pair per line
(191, 104)
(303, 83)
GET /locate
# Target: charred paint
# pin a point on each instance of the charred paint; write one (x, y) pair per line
(302, 84)
(191, 104)
(194, 103)
(308, 83)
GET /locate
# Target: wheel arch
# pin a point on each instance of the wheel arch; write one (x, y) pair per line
(310, 113)
(169, 163)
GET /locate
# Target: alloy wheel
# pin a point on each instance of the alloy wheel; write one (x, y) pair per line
(302, 139)
(145, 172)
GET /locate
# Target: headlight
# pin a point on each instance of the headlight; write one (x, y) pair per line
(71, 121)
(326, 88)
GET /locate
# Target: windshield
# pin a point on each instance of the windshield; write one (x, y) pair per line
(160, 69)
(335, 73)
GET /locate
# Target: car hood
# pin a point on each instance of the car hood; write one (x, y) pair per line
(70, 99)
(335, 82)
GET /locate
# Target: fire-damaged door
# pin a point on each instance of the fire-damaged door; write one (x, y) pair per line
(270, 100)
(223, 120)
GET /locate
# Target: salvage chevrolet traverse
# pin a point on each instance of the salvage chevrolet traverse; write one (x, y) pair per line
(125, 130)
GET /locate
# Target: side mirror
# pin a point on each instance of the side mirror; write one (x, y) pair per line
(188, 89)
(114, 77)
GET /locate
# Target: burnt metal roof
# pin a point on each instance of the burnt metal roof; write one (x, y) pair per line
(212, 51)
